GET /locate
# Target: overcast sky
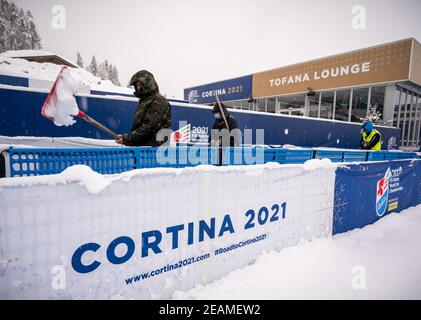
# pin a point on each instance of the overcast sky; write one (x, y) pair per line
(191, 42)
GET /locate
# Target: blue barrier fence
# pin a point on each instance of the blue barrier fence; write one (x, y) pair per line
(43, 161)
(366, 192)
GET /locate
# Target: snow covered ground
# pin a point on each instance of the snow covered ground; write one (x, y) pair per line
(380, 261)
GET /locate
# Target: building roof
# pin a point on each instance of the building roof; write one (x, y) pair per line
(39, 56)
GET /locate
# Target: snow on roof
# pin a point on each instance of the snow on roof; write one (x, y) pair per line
(12, 65)
(33, 53)
(26, 53)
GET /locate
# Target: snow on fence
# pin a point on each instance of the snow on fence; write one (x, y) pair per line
(146, 233)
(41, 161)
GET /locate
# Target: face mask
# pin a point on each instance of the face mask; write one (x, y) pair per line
(137, 93)
(217, 115)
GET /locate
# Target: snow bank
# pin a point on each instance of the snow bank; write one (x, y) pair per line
(380, 261)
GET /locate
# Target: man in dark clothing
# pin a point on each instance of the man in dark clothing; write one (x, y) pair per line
(219, 124)
(153, 113)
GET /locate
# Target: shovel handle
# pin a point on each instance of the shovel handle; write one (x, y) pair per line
(95, 123)
(222, 111)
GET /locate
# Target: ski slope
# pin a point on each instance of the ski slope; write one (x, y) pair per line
(387, 254)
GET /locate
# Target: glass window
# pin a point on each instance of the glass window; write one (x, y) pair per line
(292, 105)
(261, 105)
(313, 105)
(397, 105)
(359, 105)
(342, 105)
(412, 119)
(271, 105)
(377, 102)
(326, 106)
(406, 110)
(419, 123)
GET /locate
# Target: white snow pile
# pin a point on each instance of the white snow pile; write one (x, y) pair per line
(380, 261)
(10, 65)
(81, 174)
(60, 106)
(96, 182)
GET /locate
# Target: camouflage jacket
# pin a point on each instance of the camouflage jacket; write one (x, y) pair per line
(153, 113)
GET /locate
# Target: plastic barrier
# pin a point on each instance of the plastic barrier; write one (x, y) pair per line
(285, 156)
(23, 105)
(147, 233)
(42, 161)
(355, 156)
(29, 162)
(366, 192)
(333, 155)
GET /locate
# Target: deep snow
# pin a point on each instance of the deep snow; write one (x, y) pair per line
(387, 254)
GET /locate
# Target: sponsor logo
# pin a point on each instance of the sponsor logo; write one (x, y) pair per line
(182, 135)
(192, 96)
(392, 206)
(382, 195)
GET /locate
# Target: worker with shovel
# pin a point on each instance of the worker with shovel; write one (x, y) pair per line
(153, 113)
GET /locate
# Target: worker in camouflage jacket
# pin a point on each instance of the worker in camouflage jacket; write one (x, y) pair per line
(153, 113)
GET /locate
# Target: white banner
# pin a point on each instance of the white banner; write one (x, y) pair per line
(146, 233)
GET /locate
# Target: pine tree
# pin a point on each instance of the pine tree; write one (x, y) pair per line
(35, 38)
(93, 66)
(114, 76)
(102, 71)
(17, 28)
(4, 6)
(79, 60)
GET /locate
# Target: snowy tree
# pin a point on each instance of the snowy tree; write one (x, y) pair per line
(17, 28)
(35, 38)
(114, 76)
(375, 114)
(103, 70)
(79, 60)
(93, 66)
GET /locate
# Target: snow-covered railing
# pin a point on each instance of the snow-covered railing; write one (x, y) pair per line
(44, 161)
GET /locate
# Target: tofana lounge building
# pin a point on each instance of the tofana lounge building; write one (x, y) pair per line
(382, 81)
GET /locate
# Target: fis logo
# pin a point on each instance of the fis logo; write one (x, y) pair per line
(382, 196)
(192, 96)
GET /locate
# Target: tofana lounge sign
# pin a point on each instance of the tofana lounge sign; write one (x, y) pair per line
(324, 74)
(372, 66)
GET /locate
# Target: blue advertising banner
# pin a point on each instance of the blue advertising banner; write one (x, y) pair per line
(20, 115)
(233, 89)
(367, 192)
